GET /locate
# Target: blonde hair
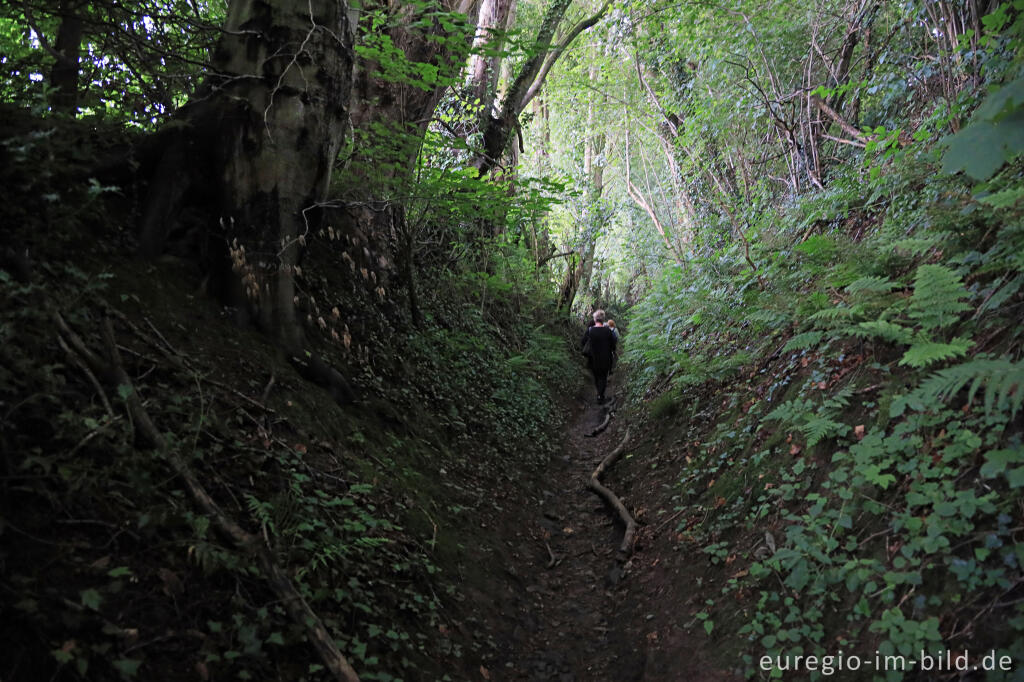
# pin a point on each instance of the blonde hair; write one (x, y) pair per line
(611, 323)
(599, 316)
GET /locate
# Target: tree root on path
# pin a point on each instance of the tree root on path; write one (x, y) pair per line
(113, 372)
(626, 547)
(609, 410)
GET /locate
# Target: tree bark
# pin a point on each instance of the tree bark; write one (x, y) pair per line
(68, 47)
(485, 65)
(282, 90)
(260, 142)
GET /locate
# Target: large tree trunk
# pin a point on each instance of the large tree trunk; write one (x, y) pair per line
(485, 65)
(259, 146)
(390, 119)
(284, 78)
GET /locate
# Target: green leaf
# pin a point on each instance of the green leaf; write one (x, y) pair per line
(994, 136)
(997, 460)
(91, 599)
(128, 667)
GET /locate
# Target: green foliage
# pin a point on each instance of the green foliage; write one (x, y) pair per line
(883, 437)
(925, 353)
(138, 62)
(937, 300)
(994, 136)
(1002, 379)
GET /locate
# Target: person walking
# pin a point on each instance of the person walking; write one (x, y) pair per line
(615, 355)
(602, 344)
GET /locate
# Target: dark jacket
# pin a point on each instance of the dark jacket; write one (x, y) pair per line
(602, 346)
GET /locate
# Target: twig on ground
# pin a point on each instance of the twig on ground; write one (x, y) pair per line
(668, 520)
(270, 385)
(551, 564)
(92, 378)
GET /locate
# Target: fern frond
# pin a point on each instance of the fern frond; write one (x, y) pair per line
(838, 314)
(840, 399)
(262, 512)
(936, 302)
(803, 341)
(882, 329)
(915, 246)
(924, 353)
(1002, 294)
(871, 285)
(791, 411)
(1002, 379)
(818, 428)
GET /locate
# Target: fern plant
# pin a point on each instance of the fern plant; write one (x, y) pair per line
(926, 352)
(938, 297)
(1002, 379)
(816, 423)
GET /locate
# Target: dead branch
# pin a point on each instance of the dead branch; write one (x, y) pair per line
(147, 433)
(840, 121)
(553, 256)
(553, 562)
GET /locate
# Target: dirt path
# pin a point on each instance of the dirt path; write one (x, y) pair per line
(559, 610)
(556, 612)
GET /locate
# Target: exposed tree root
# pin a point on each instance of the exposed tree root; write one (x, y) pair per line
(609, 410)
(626, 547)
(113, 372)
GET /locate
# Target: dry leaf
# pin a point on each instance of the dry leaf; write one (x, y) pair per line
(485, 673)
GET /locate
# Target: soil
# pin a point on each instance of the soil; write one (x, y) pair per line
(564, 608)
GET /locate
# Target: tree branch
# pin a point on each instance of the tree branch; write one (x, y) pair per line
(556, 52)
(840, 121)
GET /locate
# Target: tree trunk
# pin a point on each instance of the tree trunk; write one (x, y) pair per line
(389, 121)
(499, 128)
(284, 75)
(485, 66)
(64, 75)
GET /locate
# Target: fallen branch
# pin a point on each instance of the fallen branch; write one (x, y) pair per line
(249, 543)
(625, 548)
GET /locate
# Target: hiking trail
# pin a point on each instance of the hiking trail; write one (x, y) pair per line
(569, 607)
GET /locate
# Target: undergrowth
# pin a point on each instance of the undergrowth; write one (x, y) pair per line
(851, 412)
(110, 571)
